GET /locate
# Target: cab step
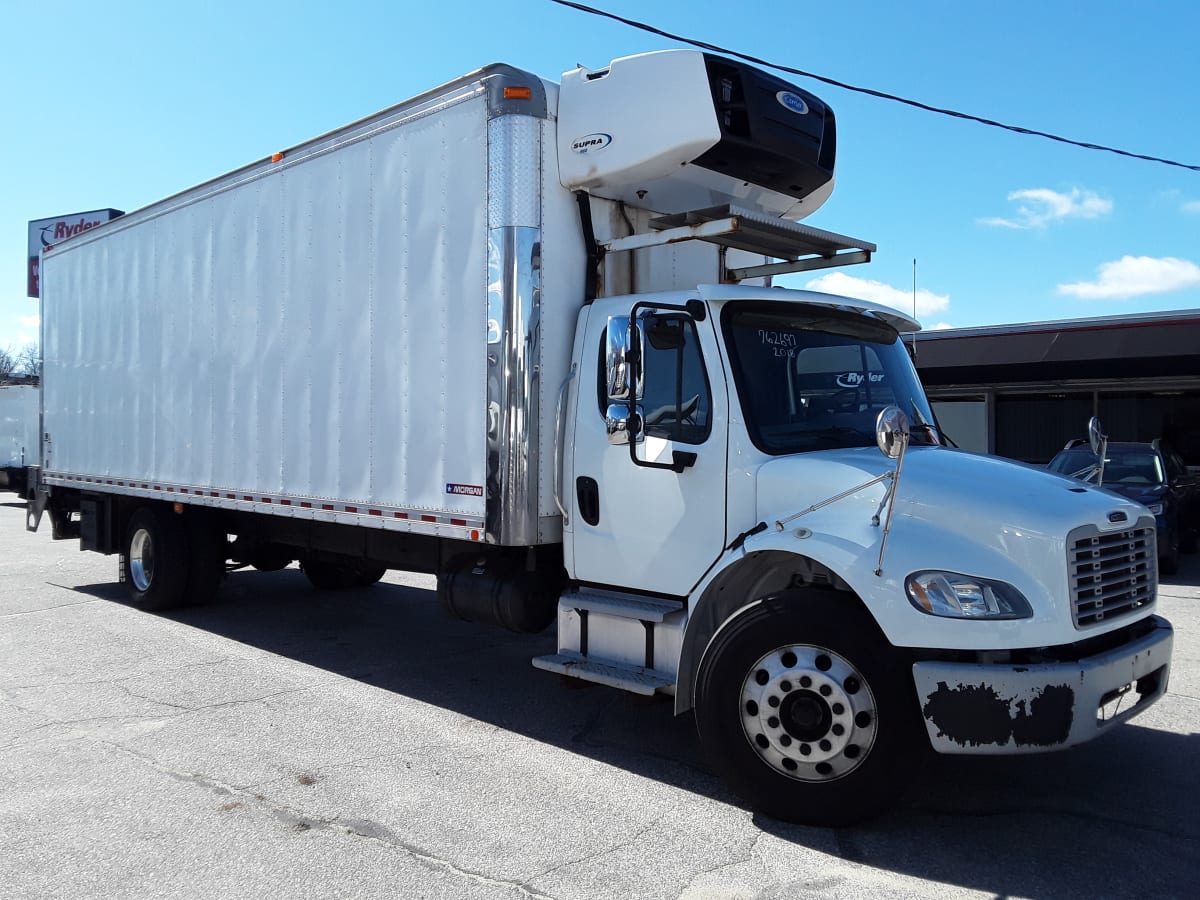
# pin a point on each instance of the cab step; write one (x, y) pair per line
(626, 641)
(635, 679)
(618, 605)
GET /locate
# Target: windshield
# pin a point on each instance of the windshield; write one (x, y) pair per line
(1121, 466)
(816, 379)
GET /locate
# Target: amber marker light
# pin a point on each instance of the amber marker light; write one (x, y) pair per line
(518, 93)
(276, 157)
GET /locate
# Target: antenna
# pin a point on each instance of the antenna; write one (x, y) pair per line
(914, 334)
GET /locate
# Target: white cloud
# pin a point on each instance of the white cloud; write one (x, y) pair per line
(30, 321)
(878, 292)
(1192, 206)
(1039, 207)
(1134, 276)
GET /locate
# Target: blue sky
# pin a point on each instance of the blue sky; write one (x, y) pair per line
(122, 103)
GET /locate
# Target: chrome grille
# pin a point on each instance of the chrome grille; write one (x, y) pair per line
(1112, 574)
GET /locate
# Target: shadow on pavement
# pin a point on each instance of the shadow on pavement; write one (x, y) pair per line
(1112, 818)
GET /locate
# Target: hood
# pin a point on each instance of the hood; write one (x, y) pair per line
(949, 487)
(955, 511)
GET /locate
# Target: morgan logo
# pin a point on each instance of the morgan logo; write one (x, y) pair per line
(465, 490)
(590, 143)
(794, 102)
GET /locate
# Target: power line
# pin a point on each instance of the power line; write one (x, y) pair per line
(703, 45)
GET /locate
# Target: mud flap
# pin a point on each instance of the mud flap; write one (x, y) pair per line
(37, 495)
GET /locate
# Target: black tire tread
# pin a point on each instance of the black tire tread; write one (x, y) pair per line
(837, 622)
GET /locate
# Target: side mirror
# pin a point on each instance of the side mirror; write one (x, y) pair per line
(620, 426)
(891, 431)
(1096, 436)
(619, 356)
(1099, 444)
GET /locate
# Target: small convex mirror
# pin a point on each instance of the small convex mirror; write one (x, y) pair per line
(891, 431)
(1096, 436)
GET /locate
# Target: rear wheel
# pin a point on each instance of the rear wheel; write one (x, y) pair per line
(156, 559)
(806, 711)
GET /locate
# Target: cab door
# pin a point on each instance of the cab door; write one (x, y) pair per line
(636, 526)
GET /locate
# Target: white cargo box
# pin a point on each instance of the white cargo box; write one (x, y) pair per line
(19, 445)
(350, 332)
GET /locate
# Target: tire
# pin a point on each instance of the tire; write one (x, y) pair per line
(156, 557)
(271, 558)
(806, 710)
(207, 552)
(327, 576)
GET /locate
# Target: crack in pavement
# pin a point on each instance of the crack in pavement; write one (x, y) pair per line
(33, 612)
(115, 680)
(349, 827)
(750, 855)
(597, 855)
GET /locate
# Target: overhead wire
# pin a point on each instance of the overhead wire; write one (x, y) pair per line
(883, 95)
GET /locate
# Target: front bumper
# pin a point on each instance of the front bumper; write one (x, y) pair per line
(1003, 709)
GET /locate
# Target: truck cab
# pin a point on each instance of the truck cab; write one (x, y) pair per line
(762, 518)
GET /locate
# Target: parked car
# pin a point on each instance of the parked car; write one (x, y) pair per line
(1149, 474)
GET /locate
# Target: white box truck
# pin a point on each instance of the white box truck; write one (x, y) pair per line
(521, 335)
(19, 444)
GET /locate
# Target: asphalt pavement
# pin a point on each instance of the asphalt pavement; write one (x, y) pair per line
(288, 743)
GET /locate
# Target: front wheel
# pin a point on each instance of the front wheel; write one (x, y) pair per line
(806, 710)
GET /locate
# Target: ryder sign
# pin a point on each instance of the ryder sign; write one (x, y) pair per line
(45, 233)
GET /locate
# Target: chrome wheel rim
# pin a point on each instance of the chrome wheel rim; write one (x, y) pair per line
(141, 559)
(808, 713)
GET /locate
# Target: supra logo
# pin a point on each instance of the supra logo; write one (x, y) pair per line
(792, 101)
(590, 143)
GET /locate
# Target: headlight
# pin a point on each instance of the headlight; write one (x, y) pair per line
(963, 597)
(1155, 508)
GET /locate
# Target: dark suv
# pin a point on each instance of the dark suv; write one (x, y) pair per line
(1148, 474)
